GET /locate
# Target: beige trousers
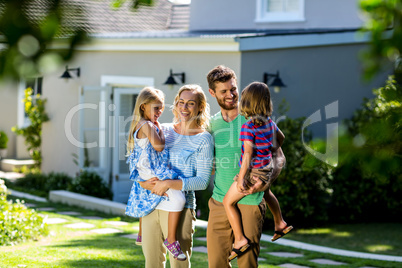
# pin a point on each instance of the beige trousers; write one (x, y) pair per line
(154, 232)
(220, 235)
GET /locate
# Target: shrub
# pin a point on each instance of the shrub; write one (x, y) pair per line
(3, 140)
(35, 110)
(367, 184)
(90, 183)
(41, 184)
(57, 181)
(17, 222)
(33, 181)
(302, 187)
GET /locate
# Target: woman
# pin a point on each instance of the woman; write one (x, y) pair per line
(190, 156)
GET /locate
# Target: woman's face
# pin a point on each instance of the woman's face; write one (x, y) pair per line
(187, 106)
(152, 111)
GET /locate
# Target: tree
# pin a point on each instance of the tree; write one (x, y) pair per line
(385, 27)
(367, 182)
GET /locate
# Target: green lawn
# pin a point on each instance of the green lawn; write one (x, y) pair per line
(66, 247)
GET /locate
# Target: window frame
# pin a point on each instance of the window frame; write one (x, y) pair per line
(263, 17)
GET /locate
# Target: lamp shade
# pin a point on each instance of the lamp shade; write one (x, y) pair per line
(170, 81)
(277, 82)
(66, 74)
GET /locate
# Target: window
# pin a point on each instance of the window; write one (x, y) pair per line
(280, 10)
(36, 85)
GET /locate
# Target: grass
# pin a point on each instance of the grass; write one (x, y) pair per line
(376, 238)
(66, 247)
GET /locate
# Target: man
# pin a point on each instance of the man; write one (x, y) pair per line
(225, 127)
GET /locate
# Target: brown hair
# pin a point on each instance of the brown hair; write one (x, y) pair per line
(219, 74)
(255, 102)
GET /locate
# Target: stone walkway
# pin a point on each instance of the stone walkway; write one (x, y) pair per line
(203, 249)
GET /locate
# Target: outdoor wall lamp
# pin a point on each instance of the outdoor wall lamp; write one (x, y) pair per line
(171, 81)
(276, 83)
(67, 75)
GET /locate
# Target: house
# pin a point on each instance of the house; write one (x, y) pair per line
(314, 45)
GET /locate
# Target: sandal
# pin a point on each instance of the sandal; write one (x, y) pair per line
(138, 241)
(279, 234)
(175, 250)
(239, 251)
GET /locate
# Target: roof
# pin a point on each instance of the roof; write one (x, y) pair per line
(98, 16)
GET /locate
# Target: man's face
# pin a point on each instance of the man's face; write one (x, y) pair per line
(226, 94)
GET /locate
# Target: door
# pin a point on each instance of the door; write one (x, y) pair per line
(124, 101)
(94, 153)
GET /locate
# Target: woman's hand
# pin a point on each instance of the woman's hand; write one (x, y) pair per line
(149, 184)
(156, 123)
(160, 188)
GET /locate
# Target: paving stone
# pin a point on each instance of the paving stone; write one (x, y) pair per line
(328, 262)
(261, 259)
(116, 223)
(29, 205)
(130, 236)
(46, 209)
(201, 238)
(201, 249)
(91, 218)
(54, 220)
(71, 213)
(106, 231)
(79, 225)
(291, 265)
(286, 254)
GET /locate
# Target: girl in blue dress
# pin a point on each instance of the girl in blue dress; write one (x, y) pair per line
(147, 159)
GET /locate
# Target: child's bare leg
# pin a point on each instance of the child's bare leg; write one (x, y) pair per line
(173, 222)
(275, 209)
(233, 214)
(140, 228)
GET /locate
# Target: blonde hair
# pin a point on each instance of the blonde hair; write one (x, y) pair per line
(202, 119)
(255, 102)
(147, 95)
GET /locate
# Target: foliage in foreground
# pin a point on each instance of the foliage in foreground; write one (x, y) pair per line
(17, 222)
(367, 183)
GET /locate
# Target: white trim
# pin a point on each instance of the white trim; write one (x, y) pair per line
(195, 44)
(21, 111)
(126, 81)
(301, 40)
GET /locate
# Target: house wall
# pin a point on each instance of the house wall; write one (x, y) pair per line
(241, 15)
(8, 114)
(64, 95)
(315, 77)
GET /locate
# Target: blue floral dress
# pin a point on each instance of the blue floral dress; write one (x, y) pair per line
(141, 202)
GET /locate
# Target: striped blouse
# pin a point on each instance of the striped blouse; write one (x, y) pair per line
(191, 157)
(262, 139)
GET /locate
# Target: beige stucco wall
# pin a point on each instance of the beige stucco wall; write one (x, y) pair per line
(64, 95)
(9, 113)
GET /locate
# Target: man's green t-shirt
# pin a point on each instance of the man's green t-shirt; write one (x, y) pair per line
(227, 156)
